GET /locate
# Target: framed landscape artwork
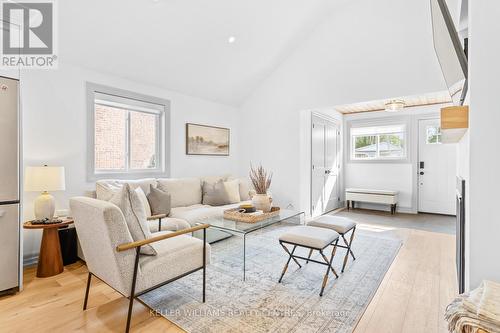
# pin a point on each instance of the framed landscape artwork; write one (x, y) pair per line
(207, 140)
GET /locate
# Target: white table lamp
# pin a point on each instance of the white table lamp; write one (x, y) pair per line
(44, 179)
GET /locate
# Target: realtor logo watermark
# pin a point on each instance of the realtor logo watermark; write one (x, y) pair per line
(28, 34)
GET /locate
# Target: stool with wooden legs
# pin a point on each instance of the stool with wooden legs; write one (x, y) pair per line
(311, 238)
(342, 225)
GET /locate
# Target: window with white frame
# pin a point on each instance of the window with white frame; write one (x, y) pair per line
(386, 142)
(128, 134)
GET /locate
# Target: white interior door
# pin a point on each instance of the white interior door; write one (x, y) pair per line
(437, 170)
(324, 166)
(331, 187)
(317, 167)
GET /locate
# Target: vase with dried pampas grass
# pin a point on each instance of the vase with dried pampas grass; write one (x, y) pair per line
(261, 181)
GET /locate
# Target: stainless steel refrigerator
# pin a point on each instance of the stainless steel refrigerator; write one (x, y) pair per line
(9, 185)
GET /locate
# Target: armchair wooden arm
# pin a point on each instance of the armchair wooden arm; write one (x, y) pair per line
(128, 246)
(157, 217)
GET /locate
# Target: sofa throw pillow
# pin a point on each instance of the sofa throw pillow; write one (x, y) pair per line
(232, 188)
(212, 179)
(214, 194)
(105, 190)
(220, 193)
(133, 210)
(144, 200)
(159, 201)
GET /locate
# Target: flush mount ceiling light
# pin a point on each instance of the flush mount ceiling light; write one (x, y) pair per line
(394, 105)
(231, 39)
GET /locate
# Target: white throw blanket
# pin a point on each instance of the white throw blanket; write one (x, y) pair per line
(479, 309)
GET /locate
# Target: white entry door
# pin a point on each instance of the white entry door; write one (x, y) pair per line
(437, 170)
(324, 166)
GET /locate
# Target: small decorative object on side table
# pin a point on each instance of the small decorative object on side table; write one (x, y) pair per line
(50, 261)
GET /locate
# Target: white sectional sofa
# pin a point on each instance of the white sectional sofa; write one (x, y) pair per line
(186, 199)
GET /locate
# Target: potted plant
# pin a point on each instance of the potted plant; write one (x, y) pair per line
(261, 181)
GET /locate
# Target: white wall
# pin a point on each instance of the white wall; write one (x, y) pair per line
(342, 62)
(397, 176)
(55, 131)
(484, 120)
(384, 176)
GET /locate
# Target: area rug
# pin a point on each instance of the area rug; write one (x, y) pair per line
(261, 304)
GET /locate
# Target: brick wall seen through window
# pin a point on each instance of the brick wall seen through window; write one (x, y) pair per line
(112, 138)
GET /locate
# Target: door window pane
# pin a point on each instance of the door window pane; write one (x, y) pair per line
(110, 138)
(143, 134)
(433, 134)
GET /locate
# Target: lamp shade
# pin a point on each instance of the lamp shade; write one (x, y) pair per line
(44, 178)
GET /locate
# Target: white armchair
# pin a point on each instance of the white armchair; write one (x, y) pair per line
(113, 257)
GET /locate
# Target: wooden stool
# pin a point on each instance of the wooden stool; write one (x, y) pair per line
(340, 224)
(311, 238)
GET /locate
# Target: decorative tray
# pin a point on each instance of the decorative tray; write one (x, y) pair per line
(235, 215)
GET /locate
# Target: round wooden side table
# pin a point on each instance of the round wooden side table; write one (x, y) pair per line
(50, 261)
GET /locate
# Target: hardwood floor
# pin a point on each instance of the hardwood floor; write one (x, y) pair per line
(416, 289)
(412, 297)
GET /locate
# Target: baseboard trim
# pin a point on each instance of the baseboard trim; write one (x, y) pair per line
(406, 210)
(30, 261)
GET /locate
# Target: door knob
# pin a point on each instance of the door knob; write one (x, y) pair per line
(421, 173)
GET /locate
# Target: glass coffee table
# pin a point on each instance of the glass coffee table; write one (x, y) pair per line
(242, 229)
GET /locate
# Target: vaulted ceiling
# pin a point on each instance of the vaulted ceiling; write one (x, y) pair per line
(183, 45)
